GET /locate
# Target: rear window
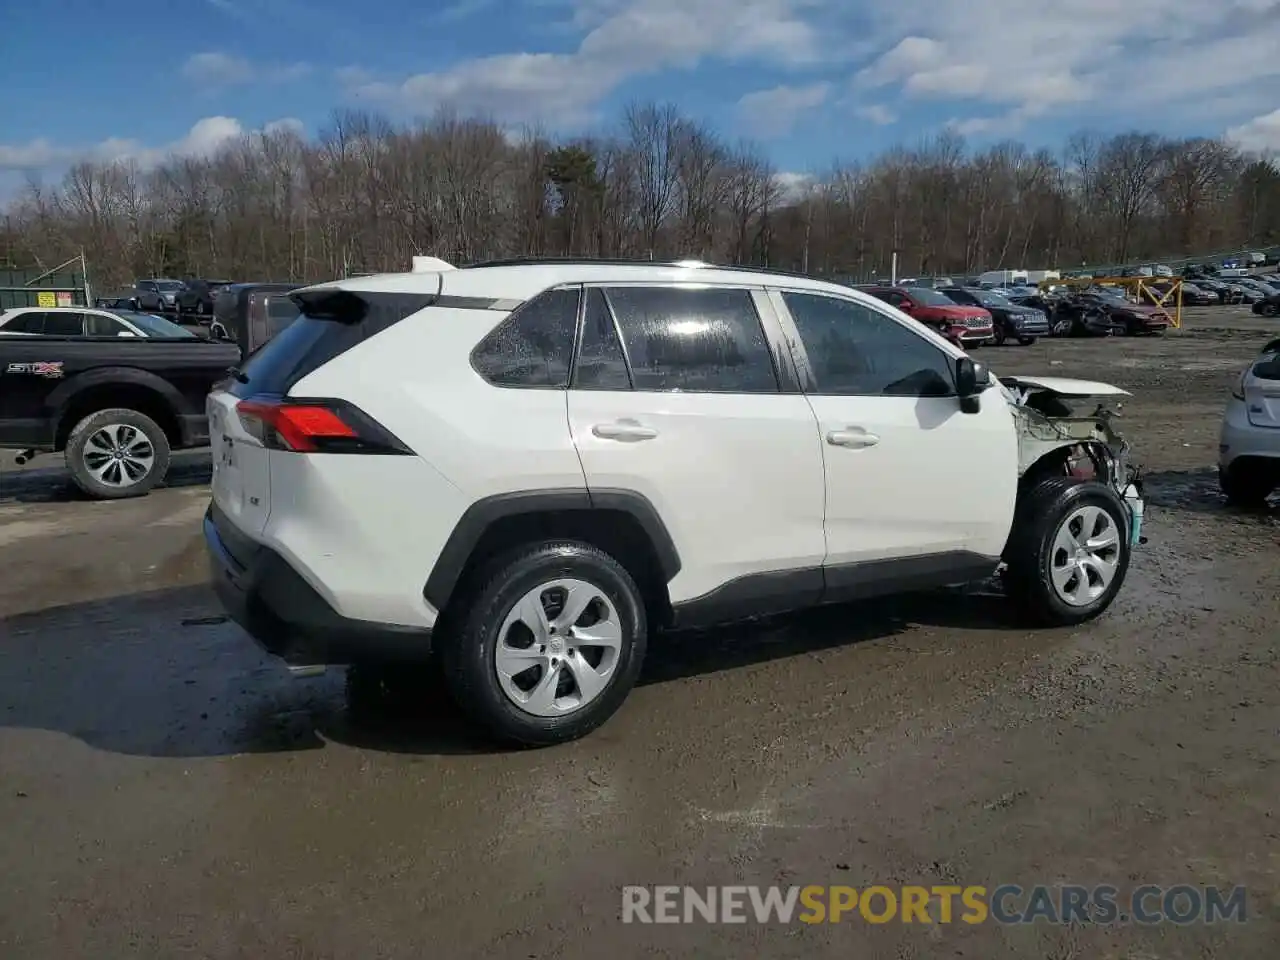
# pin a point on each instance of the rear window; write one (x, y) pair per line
(1268, 368)
(328, 324)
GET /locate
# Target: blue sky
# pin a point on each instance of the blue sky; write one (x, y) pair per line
(810, 80)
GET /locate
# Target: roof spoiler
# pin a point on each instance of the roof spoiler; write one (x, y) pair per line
(431, 265)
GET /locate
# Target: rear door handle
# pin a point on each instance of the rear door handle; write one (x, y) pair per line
(852, 437)
(628, 431)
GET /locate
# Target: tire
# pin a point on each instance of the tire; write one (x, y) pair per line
(999, 336)
(1054, 504)
(1026, 341)
(89, 462)
(469, 647)
(1269, 309)
(1247, 484)
(202, 309)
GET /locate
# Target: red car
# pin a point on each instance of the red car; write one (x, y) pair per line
(966, 326)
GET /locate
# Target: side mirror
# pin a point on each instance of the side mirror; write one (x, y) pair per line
(971, 379)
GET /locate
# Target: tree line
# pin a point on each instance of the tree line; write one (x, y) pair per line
(365, 195)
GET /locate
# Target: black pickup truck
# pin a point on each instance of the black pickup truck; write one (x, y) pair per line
(115, 406)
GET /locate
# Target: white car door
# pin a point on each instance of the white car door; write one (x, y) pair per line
(917, 489)
(682, 395)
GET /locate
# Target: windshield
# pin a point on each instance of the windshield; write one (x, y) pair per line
(168, 286)
(154, 326)
(281, 311)
(1110, 294)
(929, 298)
(989, 298)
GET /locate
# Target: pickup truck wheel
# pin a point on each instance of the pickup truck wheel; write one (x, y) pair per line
(1068, 552)
(118, 453)
(1026, 341)
(548, 644)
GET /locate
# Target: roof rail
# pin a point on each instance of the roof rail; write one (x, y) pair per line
(628, 262)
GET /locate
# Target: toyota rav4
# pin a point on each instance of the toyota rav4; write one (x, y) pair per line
(518, 470)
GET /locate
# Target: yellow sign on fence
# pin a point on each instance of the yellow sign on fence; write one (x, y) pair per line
(46, 298)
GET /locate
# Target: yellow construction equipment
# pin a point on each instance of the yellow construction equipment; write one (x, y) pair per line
(1142, 289)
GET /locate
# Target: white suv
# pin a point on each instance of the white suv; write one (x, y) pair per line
(1249, 446)
(522, 468)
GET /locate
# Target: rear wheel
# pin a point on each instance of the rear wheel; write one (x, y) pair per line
(1269, 309)
(118, 453)
(1068, 553)
(1248, 483)
(548, 645)
(1026, 341)
(998, 338)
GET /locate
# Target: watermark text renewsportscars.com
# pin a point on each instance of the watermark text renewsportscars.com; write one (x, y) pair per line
(1005, 904)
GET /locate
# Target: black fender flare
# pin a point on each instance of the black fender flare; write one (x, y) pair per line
(62, 396)
(481, 515)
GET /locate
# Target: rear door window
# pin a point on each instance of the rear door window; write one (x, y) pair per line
(601, 363)
(101, 325)
(693, 340)
(64, 324)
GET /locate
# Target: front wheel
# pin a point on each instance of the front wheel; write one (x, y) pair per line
(548, 645)
(1068, 552)
(998, 338)
(1269, 309)
(119, 453)
(1026, 341)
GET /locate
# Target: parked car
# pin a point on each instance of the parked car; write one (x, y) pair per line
(1127, 318)
(1010, 321)
(1226, 292)
(1082, 315)
(1268, 306)
(1249, 443)
(250, 314)
(966, 327)
(1259, 289)
(371, 501)
(1036, 301)
(82, 322)
(196, 296)
(1192, 295)
(155, 296)
(115, 403)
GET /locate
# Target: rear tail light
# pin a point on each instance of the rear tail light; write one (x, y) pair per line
(1237, 390)
(315, 426)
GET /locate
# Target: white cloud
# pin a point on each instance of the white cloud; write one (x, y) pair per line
(1259, 135)
(203, 139)
(794, 186)
(622, 39)
(214, 69)
(1017, 60)
(774, 113)
(878, 114)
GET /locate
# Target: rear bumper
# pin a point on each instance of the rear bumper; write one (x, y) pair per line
(287, 617)
(1238, 439)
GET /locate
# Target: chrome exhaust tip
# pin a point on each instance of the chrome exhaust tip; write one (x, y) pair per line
(306, 671)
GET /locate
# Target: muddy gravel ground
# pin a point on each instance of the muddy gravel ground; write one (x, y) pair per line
(165, 791)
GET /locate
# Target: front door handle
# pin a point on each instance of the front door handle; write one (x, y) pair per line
(852, 437)
(628, 431)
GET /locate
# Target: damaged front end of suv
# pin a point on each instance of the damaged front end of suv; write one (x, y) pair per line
(1068, 427)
